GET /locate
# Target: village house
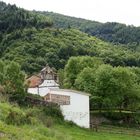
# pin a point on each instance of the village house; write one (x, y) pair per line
(74, 104)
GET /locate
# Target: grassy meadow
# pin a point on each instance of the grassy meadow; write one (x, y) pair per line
(40, 128)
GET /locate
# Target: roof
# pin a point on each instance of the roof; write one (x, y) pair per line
(48, 70)
(70, 90)
(34, 81)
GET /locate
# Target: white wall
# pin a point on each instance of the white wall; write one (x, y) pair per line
(42, 91)
(44, 88)
(78, 110)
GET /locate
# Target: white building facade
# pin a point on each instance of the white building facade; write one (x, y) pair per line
(74, 104)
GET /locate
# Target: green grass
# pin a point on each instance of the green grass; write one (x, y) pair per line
(82, 134)
(58, 131)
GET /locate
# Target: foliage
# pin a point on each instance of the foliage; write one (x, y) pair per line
(117, 87)
(64, 131)
(17, 118)
(12, 17)
(75, 65)
(57, 49)
(49, 122)
(12, 80)
(23, 40)
(115, 117)
(110, 31)
(33, 47)
(110, 87)
(53, 110)
(61, 77)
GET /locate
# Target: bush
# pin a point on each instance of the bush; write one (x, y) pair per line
(53, 111)
(71, 123)
(3, 97)
(17, 98)
(18, 118)
(137, 118)
(119, 118)
(49, 122)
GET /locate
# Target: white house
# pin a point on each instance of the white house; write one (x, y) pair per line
(74, 104)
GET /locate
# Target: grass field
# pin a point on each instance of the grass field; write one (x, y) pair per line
(58, 131)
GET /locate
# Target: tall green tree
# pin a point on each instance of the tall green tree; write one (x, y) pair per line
(12, 81)
(75, 65)
(110, 87)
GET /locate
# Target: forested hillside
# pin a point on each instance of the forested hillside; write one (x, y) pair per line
(29, 39)
(33, 48)
(12, 17)
(112, 32)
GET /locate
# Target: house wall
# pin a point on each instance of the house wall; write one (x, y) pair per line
(78, 110)
(42, 91)
(33, 90)
(44, 88)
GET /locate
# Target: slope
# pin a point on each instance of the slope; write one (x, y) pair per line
(12, 17)
(29, 39)
(39, 129)
(33, 48)
(112, 32)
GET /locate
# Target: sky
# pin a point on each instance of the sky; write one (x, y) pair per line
(123, 11)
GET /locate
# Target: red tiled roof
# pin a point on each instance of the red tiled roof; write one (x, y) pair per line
(34, 81)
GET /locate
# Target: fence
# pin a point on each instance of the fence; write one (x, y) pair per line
(116, 130)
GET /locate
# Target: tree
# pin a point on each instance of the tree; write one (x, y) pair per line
(85, 80)
(128, 87)
(14, 78)
(12, 81)
(75, 65)
(110, 87)
(1, 72)
(117, 87)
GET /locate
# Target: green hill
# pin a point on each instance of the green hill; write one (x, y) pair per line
(33, 48)
(29, 39)
(110, 31)
(12, 17)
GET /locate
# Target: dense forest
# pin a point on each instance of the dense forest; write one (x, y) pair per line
(12, 18)
(101, 59)
(110, 31)
(33, 48)
(31, 40)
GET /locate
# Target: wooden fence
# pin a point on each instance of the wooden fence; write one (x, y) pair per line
(116, 130)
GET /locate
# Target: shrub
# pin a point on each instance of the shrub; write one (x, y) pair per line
(71, 123)
(137, 118)
(54, 111)
(49, 122)
(18, 118)
(3, 97)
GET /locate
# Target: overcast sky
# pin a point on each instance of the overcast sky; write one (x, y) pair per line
(123, 11)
